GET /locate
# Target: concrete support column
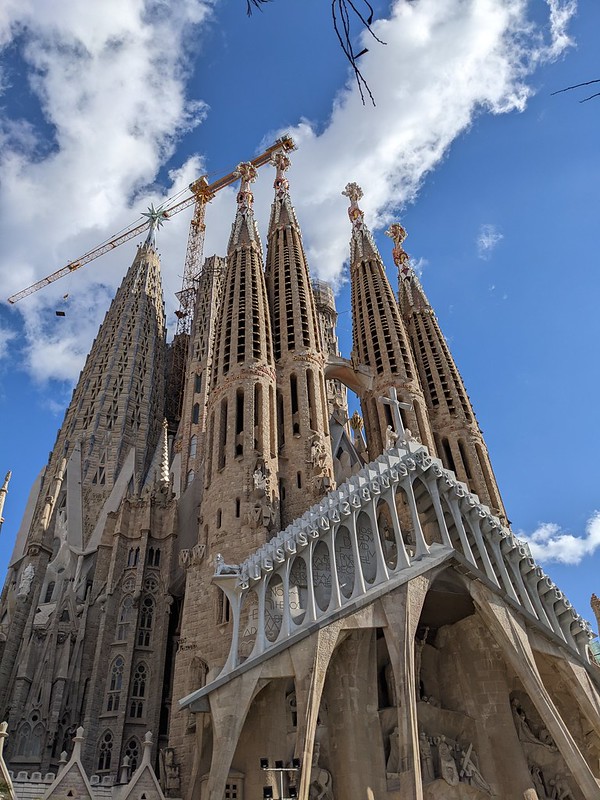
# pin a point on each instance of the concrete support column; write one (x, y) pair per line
(511, 636)
(402, 609)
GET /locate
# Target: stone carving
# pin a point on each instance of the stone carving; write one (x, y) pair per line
(559, 789)
(259, 479)
(427, 770)
(320, 778)
(525, 731)
(448, 770)
(192, 556)
(391, 437)
(221, 568)
(390, 683)
(169, 772)
(393, 762)
(27, 577)
(469, 771)
(419, 645)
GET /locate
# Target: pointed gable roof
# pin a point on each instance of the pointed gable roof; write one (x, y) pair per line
(72, 780)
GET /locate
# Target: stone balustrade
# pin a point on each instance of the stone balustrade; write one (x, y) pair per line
(351, 545)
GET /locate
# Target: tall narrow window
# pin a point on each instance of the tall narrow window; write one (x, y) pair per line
(115, 684)
(239, 422)
(105, 751)
(258, 418)
(310, 388)
(222, 434)
(49, 592)
(193, 446)
(196, 413)
(146, 620)
(138, 691)
(132, 751)
(464, 458)
(124, 622)
(294, 405)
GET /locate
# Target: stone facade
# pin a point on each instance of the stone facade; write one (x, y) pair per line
(287, 607)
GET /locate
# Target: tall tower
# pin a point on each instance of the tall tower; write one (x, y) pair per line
(102, 452)
(305, 464)
(327, 318)
(379, 338)
(458, 438)
(192, 430)
(240, 505)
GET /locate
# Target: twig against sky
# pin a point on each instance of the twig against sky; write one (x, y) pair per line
(342, 12)
(577, 86)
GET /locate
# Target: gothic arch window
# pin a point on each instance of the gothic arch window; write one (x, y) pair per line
(154, 557)
(105, 751)
(133, 557)
(146, 620)
(132, 751)
(115, 683)
(124, 622)
(37, 740)
(193, 446)
(138, 691)
(23, 738)
(196, 414)
(190, 477)
(49, 592)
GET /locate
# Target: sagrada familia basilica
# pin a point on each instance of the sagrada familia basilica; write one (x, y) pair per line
(259, 595)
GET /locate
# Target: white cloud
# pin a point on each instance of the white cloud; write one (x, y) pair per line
(6, 336)
(111, 85)
(111, 81)
(444, 62)
(488, 239)
(550, 543)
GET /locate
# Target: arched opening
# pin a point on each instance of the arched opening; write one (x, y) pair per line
(298, 590)
(321, 569)
(274, 608)
(366, 547)
(344, 561)
(248, 625)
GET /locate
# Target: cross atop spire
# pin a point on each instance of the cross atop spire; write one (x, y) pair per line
(156, 217)
(362, 244)
(282, 163)
(247, 173)
(401, 258)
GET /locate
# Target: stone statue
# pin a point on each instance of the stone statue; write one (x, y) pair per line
(391, 437)
(320, 779)
(448, 770)
(390, 683)
(170, 778)
(259, 479)
(27, 577)
(538, 780)
(419, 645)
(560, 789)
(524, 729)
(469, 772)
(221, 568)
(318, 453)
(393, 762)
(427, 771)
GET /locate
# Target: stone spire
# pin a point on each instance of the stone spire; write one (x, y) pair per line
(3, 493)
(305, 462)
(240, 503)
(595, 604)
(379, 337)
(458, 438)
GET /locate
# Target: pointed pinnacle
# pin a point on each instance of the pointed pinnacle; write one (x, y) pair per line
(164, 460)
(156, 217)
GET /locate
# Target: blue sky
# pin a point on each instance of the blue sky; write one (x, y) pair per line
(103, 111)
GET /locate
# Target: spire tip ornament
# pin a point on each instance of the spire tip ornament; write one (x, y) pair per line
(401, 258)
(156, 218)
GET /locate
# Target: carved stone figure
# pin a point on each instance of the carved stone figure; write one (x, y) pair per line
(560, 789)
(170, 778)
(427, 771)
(393, 762)
(221, 568)
(390, 683)
(320, 778)
(524, 730)
(318, 454)
(391, 437)
(538, 780)
(27, 577)
(448, 770)
(259, 479)
(469, 772)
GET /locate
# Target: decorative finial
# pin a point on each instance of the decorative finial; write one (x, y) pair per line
(282, 163)
(401, 258)
(354, 193)
(3, 493)
(248, 173)
(156, 217)
(164, 459)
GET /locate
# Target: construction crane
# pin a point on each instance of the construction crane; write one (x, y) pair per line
(202, 193)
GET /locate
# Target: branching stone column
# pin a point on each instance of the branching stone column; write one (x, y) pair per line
(310, 659)
(229, 705)
(511, 636)
(402, 609)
